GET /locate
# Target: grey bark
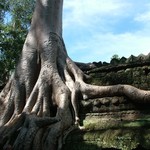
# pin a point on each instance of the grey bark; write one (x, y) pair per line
(36, 102)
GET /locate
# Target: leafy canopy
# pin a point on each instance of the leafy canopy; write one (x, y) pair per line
(15, 18)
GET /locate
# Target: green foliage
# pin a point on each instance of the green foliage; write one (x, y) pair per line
(15, 18)
(115, 56)
(21, 12)
(10, 47)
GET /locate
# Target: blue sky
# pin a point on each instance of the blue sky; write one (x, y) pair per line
(95, 30)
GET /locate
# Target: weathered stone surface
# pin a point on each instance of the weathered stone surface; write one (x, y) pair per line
(115, 122)
(122, 138)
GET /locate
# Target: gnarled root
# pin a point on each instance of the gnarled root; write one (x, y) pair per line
(41, 109)
(37, 103)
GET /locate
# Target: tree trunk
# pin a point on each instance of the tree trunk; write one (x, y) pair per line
(37, 102)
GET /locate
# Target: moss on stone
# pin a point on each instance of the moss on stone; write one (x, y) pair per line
(97, 123)
(104, 133)
(127, 130)
(121, 138)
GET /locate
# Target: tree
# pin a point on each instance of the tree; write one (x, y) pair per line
(115, 56)
(37, 102)
(10, 48)
(15, 16)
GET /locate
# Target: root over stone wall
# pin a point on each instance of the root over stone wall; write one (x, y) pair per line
(114, 122)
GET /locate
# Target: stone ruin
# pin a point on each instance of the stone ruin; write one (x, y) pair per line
(114, 122)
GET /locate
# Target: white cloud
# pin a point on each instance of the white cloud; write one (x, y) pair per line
(95, 30)
(103, 47)
(81, 12)
(145, 17)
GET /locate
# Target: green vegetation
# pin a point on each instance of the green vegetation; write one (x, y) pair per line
(101, 134)
(15, 17)
(115, 56)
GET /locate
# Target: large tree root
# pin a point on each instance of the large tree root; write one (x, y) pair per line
(36, 111)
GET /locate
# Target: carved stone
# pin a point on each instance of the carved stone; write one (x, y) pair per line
(115, 122)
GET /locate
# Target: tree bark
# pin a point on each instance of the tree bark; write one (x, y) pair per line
(37, 102)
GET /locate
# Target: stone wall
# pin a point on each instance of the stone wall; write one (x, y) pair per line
(114, 122)
(135, 71)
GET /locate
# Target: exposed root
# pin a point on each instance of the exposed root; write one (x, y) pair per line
(29, 117)
(40, 116)
(133, 93)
